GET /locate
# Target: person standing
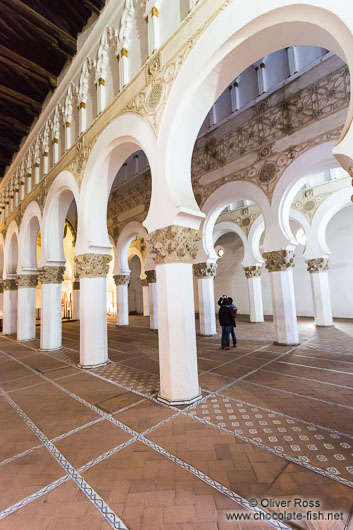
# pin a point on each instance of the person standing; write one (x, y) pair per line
(227, 322)
(235, 310)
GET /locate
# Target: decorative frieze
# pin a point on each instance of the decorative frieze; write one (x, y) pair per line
(121, 279)
(151, 276)
(10, 285)
(204, 270)
(174, 244)
(53, 274)
(144, 282)
(317, 265)
(279, 260)
(92, 265)
(253, 271)
(28, 281)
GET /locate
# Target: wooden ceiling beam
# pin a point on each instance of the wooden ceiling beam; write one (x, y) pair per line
(17, 125)
(33, 70)
(20, 99)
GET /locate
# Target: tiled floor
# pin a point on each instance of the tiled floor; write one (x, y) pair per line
(271, 439)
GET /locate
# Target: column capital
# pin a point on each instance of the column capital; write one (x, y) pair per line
(151, 276)
(174, 244)
(27, 280)
(1, 286)
(144, 282)
(317, 265)
(76, 285)
(10, 285)
(48, 274)
(253, 271)
(121, 279)
(92, 265)
(204, 270)
(279, 260)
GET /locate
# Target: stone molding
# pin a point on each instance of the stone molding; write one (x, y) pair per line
(204, 270)
(144, 282)
(51, 275)
(28, 281)
(253, 271)
(317, 265)
(10, 285)
(121, 279)
(76, 285)
(151, 276)
(174, 244)
(92, 265)
(279, 260)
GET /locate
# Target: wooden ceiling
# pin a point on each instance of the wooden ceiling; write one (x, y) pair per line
(37, 37)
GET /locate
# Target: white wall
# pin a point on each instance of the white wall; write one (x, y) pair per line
(135, 288)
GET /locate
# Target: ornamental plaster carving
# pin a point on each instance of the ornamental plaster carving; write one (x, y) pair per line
(144, 282)
(316, 265)
(205, 270)
(254, 271)
(92, 265)
(121, 279)
(78, 164)
(244, 217)
(10, 285)
(151, 276)
(28, 281)
(174, 244)
(51, 275)
(76, 285)
(308, 202)
(279, 260)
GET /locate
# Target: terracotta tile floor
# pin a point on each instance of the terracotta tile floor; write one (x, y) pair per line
(94, 449)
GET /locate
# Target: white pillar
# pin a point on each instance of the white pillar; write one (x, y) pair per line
(50, 311)
(82, 117)
(55, 151)
(320, 287)
(152, 20)
(26, 314)
(145, 298)
(122, 299)
(260, 73)
(76, 300)
(1, 298)
(152, 292)
(45, 162)
(124, 76)
(10, 306)
(29, 182)
(100, 95)
(253, 276)
(67, 135)
(292, 56)
(173, 248)
(205, 274)
(36, 173)
(234, 95)
(92, 270)
(279, 263)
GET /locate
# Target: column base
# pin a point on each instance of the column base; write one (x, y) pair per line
(175, 402)
(323, 326)
(51, 349)
(25, 340)
(208, 335)
(286, 343)
(91, 366)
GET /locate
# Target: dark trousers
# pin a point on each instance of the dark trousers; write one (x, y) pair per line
(226, 330)
(233, 335)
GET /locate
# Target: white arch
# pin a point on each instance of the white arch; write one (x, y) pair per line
(132, 252)
(61, 193)
(2, 255)
(234, 40)
(31, 224)
(127, 234)
(11, 249)
(122, 137)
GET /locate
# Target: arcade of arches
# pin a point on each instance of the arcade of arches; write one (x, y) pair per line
(214, 156)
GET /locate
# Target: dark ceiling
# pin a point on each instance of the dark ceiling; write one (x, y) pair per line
(37, 37)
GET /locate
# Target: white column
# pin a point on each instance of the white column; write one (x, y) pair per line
(82, 117)
(92, 270)
(67, 135)
(36, 173)
(100, 95)
(234, 96)
(45, 162)
(205, 274)
(152, 20)
(145, 298)
(29, 182)
(279, 263)
(10, 306)
(122, 299)
(124, 76)
(55, 150)
(26, 314)
(260, 73)
(152, 292)
(292, 56)
(1, 298)
(253, 276)
(50, 311)
(320, 287)
(76, 300)
(179, 382)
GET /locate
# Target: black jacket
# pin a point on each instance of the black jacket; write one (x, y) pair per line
(225, 315)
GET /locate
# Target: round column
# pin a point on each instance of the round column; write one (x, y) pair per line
(173, 249)
(1, 298)
(122, 299)
(26, 314)
(205, 274)
(279, 264)
(253, 276)
(145, 297)
(10, 306)
(76, 299)
(318, 269)
(50, 314)
(152, 292)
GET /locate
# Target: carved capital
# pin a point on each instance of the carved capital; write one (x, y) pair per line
(92, 265)
(174, 244)
(76, 285)
(121, 279)
(205, 270)
(279, 260)
(144, 282)
(10, 285)
(27, 280)
(254, 271)
(151, 276)
(51, 274)
(317, 265)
